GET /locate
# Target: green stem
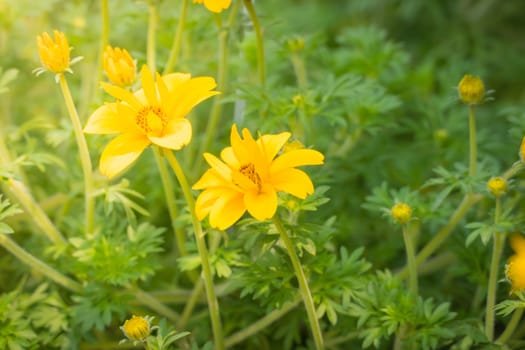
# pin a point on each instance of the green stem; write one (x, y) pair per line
(152, 27)
(175, 48)
(260, 324)
(473, 144)
(260, 43)
(34, 211)
(104, 38)
(498, 240)
(84, 155)
(38, 265)
(147, 299)
(514, 169)
(213, 304)
(190, 304)
(303, 285)
(411, 261)
(299, 69)
(511, 326)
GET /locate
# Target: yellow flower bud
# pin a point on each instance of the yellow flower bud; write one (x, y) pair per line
(295, 44)
(119, 66)
(136, 329)
(401, 213)
(497, 186)
(54, 54)
(515, 268)
(471, 90)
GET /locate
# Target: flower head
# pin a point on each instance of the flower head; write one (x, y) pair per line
(522, 150)
(471, 90)
(215, 5)
(119, 66)
(136, 328)
(54, 54)
(249, 176)
(515, 268)
(401, 213)
(154, 114)
(497, 186)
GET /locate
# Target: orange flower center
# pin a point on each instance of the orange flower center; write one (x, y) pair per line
(249, 171)
(151, 119)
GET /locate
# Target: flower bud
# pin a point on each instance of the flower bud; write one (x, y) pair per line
(497, 186)
(54, 54)
(119, 66)
(136, 329)
(401, 213)
(471, 90)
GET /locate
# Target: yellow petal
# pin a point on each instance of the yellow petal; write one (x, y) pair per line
(188, 94)
(111, 118)
(229, 158)
(293, 181)
(122, 94)
(517, 242)
(271, 144)
(218, 165)
(177, 134)
(240, 151)
(295, 158)
(148, 86)
(173, 80)
(261, 205)
(205, 202)
(211, 178)
(121, 152)
(226, 210)
(217, 5)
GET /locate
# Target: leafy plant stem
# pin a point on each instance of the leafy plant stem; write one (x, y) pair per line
(84, 155)
(411, 261)
(175, 47)
(147, 299)
(260, 324)
(152, 27)
(473, 145)
(38, 265)
(260, 43)
(303, 284)
(511, 326)
(498, 240)
(213, 304)
(299, 70)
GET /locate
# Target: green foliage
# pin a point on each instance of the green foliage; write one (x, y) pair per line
(6, 210)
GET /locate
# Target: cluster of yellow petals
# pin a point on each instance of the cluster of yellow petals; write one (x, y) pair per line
(215, 5)
(119, 66)
(248, 177)
(401, 213)
(471, 90)
(515, 269)
(136, 328)
(54, 54)
(155, 114)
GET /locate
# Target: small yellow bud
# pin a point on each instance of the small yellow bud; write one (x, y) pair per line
(54, 54)
(136, 329)
(401, 213)
(471, 90)
(298, 100)
(515, 268)
(119, 66)
(295, 44)
(497, 186)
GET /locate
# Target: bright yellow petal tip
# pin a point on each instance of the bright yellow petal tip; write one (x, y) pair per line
(215, 5)
(54, 53)
(119, 66)
(136, 328)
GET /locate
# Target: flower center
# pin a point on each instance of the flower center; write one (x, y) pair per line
(151, 119)
(249, 171)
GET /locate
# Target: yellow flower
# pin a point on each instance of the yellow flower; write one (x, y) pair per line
(515, 269)
(522, 149)
(471, 90)
(136, 328)
(154, 114)
(119, 66)
(54, 54)
(401, 213)
(497, 186)
(249, 176)
(215, 5)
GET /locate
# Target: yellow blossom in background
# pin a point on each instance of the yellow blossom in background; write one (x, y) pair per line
(515, 269)
(522, 149)
(497, 186)
(119, 66)
(471, 90)
(136, 328)
(154, 114)
(215, 5)
(401, 213)
(54, 54)
(249, 176)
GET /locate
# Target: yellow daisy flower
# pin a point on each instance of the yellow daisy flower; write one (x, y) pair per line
(471, 90)
(119, 66)
(249, 176)
(215, 5)
(54, 53)
(515, 269)
(137, 328)
(154, 114)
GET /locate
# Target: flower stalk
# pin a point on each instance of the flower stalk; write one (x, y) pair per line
(472, 141)
(260, 42)
(177, 40)
(411, 261)
(303, 284)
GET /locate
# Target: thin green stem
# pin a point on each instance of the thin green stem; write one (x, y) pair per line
(511, 326)
(299, 69)
(151, 40)
(411, 261)
(213, 304)
(175, 47)
(190, 304)
(104, 37)
(83, 150)
(260, 324)
(514, 169)
(473, 145)
(498, 240)
(34, 211)
(260, 42)
(303, 284)
(147, 299)
(38, 265)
